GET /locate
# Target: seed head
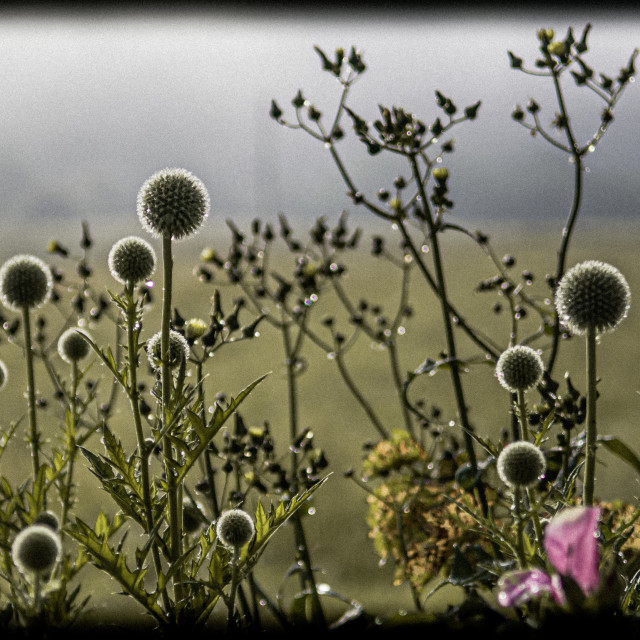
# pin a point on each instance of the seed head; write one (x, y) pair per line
(235, 528)
(25, 281)
(178, 350)
(48, 519)
(72, 347)
(131, 260)
(173, 202)
(521, 464)
(4, 374)
(36, 550)
(592, 294)
(519, 368)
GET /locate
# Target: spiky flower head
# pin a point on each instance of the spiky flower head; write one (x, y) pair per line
(178, 350)
(47, 519)
(4, 374)
(173, 202)
(36, 550)
(72, 346)
(519, 368)
(592, 294)
(235, 528)
(25, 281)
(521, 464)
(131, 260)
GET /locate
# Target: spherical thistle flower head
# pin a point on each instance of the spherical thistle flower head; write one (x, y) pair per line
(173, 202)
(178, 350)
(592, 294)
(25, 281)
(36, 550)
(72, 346)
(48, 519)
(519, 368)
(235, 528)
(521, 464)
(131, 260)
(4, 374)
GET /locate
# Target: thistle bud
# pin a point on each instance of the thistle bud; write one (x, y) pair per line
(25, 281)
(178, 350)
(519, 368)
(235, 528)
(173, 202)
(521, 464)
(131, 260)
(594, 295)
(47, 519)
(36, 550)
(72, 346)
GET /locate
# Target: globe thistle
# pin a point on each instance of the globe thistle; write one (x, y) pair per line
(173, 202)
(592, 294)
(521, 464)
(519, 368)
(4, 374)
(131, 260)
(235, 528)
(72, 346)
(178, 350)
(36, 550)
(191, 517)
(25, 281)
(47, 519)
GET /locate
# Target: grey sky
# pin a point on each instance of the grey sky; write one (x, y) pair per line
(93, 104)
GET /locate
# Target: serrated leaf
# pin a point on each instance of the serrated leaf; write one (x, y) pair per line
(206, 434)
(114, 563)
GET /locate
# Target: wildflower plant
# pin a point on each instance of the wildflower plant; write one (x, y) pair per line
(513, 521)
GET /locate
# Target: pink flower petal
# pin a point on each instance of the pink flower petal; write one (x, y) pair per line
(517, 587)
(572, 548)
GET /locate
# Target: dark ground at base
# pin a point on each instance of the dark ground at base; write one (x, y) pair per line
(565, 627)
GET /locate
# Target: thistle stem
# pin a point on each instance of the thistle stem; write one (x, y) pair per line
(134, 399)
(34, 435)
(590, 444)
(522, 416)
(71, 443)
(175, 513)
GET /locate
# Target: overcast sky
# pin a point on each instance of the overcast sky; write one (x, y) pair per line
(92, 103)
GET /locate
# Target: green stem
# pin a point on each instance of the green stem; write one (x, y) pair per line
(590, 444)
(175, 512)
(522, 416)
(537, 525)
(517, 506)
(448, 326)
(71, 442)
(231, 618)
(134, 399)
(208, 468)
(34, 435)
(291, 354)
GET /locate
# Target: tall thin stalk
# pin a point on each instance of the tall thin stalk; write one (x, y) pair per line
(175, 511)
(591, 429)
(34, 435)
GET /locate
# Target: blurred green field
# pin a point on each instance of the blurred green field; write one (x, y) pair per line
(337, 531)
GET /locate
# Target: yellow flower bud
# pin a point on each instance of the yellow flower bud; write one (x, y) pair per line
(557, 48)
